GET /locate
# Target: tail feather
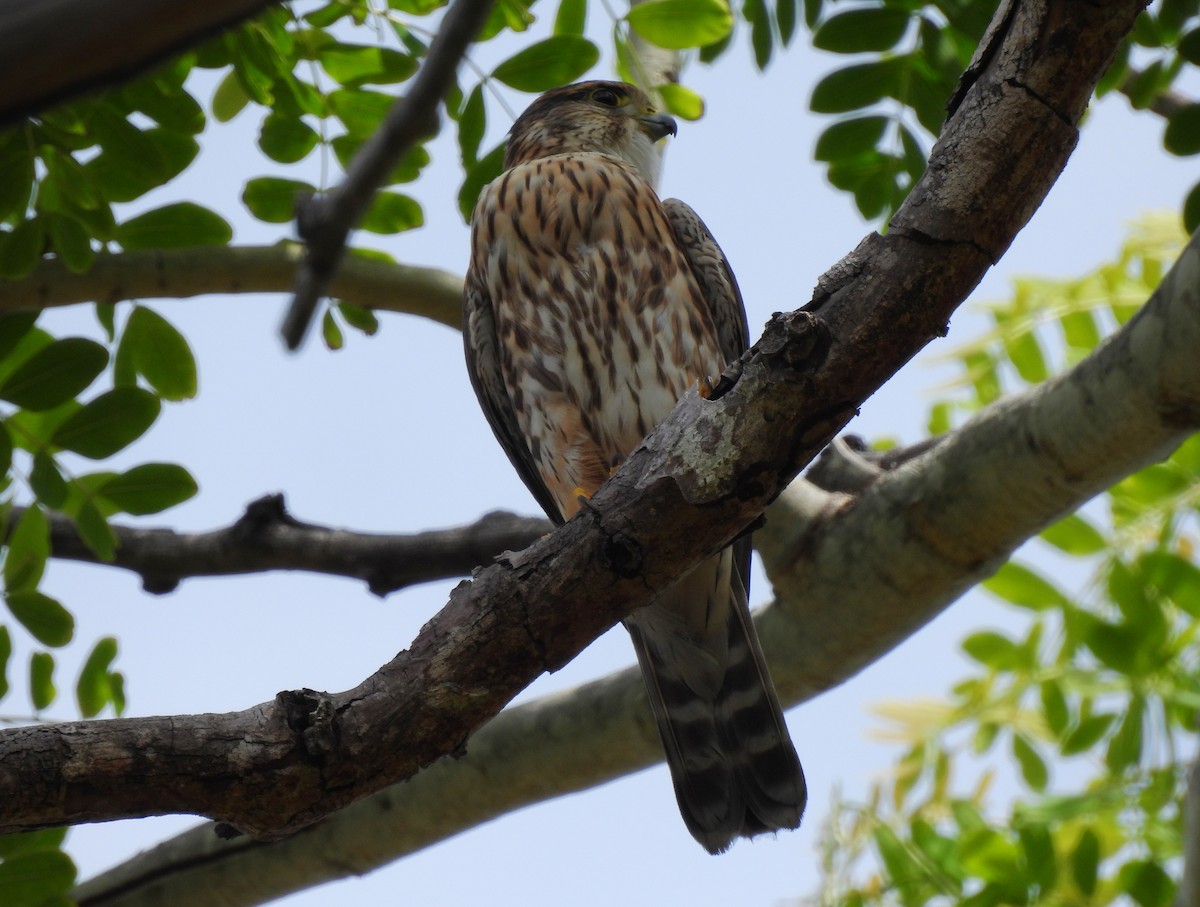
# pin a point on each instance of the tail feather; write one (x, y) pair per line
(732, 761)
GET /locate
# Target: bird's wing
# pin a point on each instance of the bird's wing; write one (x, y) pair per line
(719, 288)
(483, 365)
(712, 271)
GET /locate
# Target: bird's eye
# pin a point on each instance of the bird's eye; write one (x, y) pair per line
(606, 97)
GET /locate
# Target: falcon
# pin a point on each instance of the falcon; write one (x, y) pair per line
(590, 307)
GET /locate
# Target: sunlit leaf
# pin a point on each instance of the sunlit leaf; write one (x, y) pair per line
(173, 226)
(680, 24)
(109, 423)
(55, 374)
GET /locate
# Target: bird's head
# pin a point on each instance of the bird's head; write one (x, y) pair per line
(607, 117)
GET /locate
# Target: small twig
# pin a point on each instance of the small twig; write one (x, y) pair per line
(324, 222)
(266, 538)
(850, 465)
(1188, 894)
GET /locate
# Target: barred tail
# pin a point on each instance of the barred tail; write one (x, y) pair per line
(732, 762)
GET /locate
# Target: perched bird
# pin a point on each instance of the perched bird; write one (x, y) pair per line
(590, 307)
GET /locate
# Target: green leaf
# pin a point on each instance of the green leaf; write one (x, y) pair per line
(160, 353)
(1182, 135)
(548, 64)
(472, 122)
(1023, 587)
(1125, 747)
(1147, 883)
(571, 17)
(37, 877)
(485, 170)
(16, 178)
(361, 111)
(392, 212)
(21, 248)
(5, 655)
(1025, 353)
(357, 64)
(785, 19)
(230, 98)
(286, 139)
(93, 528)
(1038, 847)
(41, 680)
(1033, 766)
(1054, 706)
(755, 12)
(1191, 209)
(272, 199)
(330, 332)
(680, 24)
(992, 649)
(682, 101)
(30, 841)
(1116, 645)
(174, 226)
(1075, 535)
(150, 488)
(360, 318)
(1189, 47)
(71, 241)
(28, 548)
(14, 329)
(46, 481)
(109, 423)
(862, 30)
(1174, 577)
(1087, 734)
(93, 689)
(855, 87)
(850, 137)
(55, 374)
(49, 622)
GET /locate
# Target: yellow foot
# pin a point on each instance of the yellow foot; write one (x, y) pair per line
(580, 494)
(706, 386)
(614, 464)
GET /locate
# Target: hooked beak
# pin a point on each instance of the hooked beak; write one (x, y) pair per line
(657, 126)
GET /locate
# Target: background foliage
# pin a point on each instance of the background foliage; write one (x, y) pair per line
(1095, 704)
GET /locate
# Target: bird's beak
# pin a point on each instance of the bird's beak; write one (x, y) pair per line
(658, 125)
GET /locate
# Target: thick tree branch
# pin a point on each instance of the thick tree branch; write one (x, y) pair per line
(166, 273)
(324, 222)
(267, 538)
(55, 49)
(697, 481)
(853, 577)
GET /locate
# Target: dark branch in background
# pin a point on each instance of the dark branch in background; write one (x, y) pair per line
(697, 481)
(325, 221)
(55, 49)
(266, 538)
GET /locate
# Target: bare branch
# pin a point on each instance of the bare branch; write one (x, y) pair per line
(853, 578)
(266, 538)
(97, 44)
(702, 476)
(177, 273)
(324, 222)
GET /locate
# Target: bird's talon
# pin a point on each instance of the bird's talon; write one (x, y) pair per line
(706, 386)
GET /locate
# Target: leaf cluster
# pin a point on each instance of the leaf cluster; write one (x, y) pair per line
(1099, 687)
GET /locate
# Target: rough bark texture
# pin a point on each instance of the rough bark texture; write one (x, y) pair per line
(55, 49)
(703, 476)
(852, 576)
